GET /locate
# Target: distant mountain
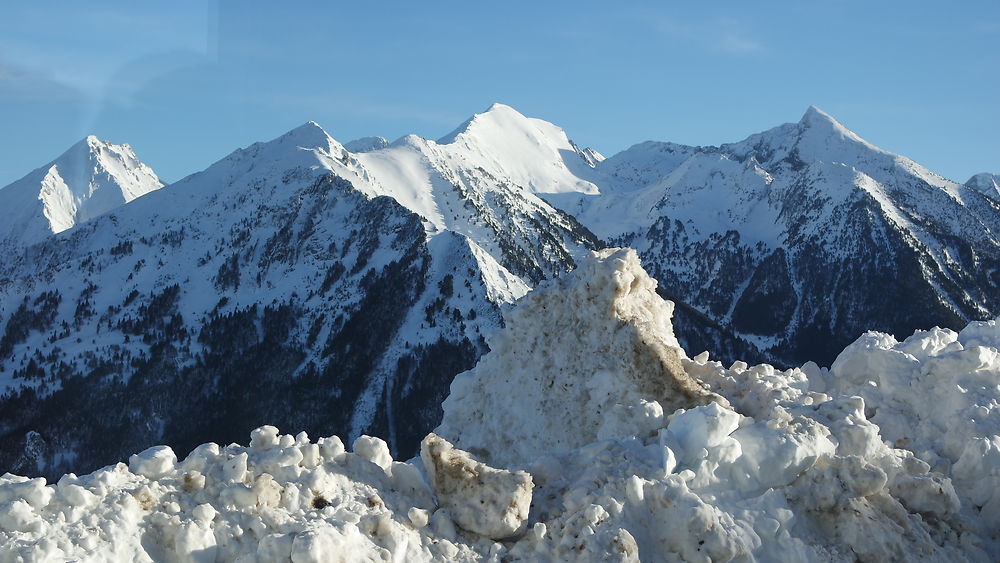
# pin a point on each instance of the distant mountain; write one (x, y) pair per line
(366, 144)
(802, 237)
(986, 183)
(91, 178)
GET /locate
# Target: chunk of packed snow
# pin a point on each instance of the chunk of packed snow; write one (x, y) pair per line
(490, 502)
(153, 462)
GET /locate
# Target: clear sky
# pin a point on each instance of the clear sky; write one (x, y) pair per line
(185, 83)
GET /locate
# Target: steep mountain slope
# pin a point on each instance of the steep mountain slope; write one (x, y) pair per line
(91, 178)
(802, 237)
(481, 181)
(292, 281)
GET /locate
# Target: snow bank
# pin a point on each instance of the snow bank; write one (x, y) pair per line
(892, 454)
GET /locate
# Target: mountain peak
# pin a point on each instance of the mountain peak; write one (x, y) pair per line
(309, 136)
(90, 144)
(817, 136)
(533, 153)
(817, 119)
(497, 107)
(813, 112)
(496, 117)
(986, 183)
(90, 178)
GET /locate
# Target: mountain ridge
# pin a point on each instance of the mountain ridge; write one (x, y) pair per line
(783, 207)
(357, 283)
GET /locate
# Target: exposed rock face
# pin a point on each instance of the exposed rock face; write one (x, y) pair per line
(490, 502)
(589, 357)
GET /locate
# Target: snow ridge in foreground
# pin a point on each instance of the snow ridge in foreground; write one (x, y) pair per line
(626, 448)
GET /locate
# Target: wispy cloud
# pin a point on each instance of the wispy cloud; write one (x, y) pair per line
(335, 105)
(48, 47)
(735, 42)
(720, 35)
(21, 84)
(987, 27)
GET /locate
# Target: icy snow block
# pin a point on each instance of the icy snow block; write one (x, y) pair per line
(374, 450)
(16, 516)
(487, 501)
(153, 463)
(33, 491)
(264, 438)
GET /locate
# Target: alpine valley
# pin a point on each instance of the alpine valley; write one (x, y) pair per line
(339, 288)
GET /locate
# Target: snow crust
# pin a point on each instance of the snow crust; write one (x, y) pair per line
(892, 454)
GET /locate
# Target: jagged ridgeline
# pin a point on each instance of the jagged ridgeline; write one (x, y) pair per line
(339, 288)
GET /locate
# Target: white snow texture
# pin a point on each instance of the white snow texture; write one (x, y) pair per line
(586, 434)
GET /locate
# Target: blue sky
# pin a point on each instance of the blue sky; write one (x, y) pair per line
(187, 82)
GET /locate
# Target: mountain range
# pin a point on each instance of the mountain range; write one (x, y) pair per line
(339, 288)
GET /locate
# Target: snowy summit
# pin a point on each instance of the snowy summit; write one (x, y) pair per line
(91, 178)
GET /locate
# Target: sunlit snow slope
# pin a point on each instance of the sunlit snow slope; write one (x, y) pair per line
(985, 183)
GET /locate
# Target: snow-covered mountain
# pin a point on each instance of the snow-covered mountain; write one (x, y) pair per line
(586, 434)
(986, 183)
(91, 178)
(366, 144)
(354, 285)
(802, 237)
(354, 281)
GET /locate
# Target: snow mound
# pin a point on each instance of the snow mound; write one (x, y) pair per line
(892, 454)
(590, 356)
